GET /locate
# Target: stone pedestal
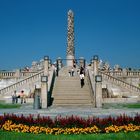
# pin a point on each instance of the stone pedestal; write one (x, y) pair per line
(70, 59)
(46, 65)
(92, 64)
(98, 94)
(82, 62)
(17, 74)
(44, 95)
(44, 83)
(59, 63)
(95, 65)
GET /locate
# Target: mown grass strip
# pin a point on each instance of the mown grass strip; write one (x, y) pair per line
(4, 135)
(136, 105)
(8, 106)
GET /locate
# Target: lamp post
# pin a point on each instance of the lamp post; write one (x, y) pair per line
(98, 91)
(98, 78)
(44, 91)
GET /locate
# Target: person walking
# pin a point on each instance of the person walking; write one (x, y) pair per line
(72, 72)
(82, 76)
(82, 80)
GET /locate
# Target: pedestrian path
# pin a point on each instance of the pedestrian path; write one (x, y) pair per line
(81, 111)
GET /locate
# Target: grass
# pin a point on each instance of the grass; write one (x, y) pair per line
(4, 135)
(120, 105)
(8, 106)
(136, 105)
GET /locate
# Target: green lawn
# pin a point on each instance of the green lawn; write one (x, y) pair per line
(4, 105)
(26, 136)
(120, 105)
(136, 105)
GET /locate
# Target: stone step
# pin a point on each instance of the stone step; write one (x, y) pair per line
(70, 83)
(73, 101)
(71, 86)
(70, 97)
(68, 77)
(60, 92)
(72, 94)
(68, 92)
(73, 105)
(77, 88)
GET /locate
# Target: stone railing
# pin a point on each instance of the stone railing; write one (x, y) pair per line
(27, 74)
(29, 82)
(124, 73)
(13, 74)
(7, 74)
(120, 82)
(20, 84)
(91, 83)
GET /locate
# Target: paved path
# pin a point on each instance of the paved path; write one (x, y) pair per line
(68, 111)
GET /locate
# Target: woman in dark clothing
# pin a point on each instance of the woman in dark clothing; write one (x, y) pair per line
(82, 76)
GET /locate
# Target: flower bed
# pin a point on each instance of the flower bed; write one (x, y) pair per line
(69, 125)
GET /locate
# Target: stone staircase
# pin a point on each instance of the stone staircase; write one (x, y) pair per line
(26, 84)
(119, 87)
(68, 92)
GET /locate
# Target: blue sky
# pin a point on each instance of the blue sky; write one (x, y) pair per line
(31, 29)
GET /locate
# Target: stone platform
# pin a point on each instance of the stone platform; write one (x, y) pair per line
(81, 111)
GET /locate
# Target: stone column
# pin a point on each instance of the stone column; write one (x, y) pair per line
(44, 91)
(98, 91)
(92, 64)
(70, 39)
(17, 73)
(59, 61)
(46, 66)
(95, 65)
(124, 72)
(44, 83)
(50, 63)
(82, 62)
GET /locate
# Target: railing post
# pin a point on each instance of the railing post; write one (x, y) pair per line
(92, 63)
(46, 65)
(98, 91)
(82, 62)
(58, 65)
(44, 84)
(17, 74)
(95, 64)
(59, 62)
(37, 93)
(44, 91)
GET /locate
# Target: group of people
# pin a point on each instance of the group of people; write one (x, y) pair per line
(71, 72)
(15, 97)
(80, 72)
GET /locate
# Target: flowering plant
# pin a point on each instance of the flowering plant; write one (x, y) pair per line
(69, 125)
